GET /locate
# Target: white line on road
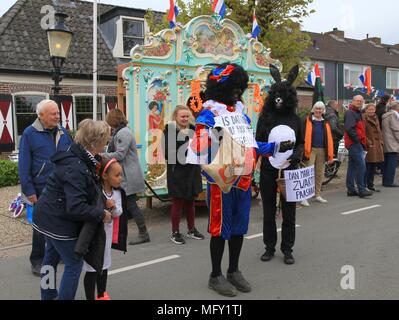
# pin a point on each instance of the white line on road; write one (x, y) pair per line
(144, 264)
(361, 209)
(261, 234)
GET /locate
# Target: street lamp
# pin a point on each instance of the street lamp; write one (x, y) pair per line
(59, 42)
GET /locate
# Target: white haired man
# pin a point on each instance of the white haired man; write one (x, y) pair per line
(39, 142)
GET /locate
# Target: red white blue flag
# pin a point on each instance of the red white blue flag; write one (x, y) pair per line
(313, 74)
(219, 7)
(173, 12)
(255, 27)
(365, 78)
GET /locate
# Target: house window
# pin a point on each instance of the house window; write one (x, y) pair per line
(84, 108)
(392, 78)
(133, 33)
(352, 73)
(25, 111)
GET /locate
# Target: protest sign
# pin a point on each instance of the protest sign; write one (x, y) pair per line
(299, 184)
(238, 127)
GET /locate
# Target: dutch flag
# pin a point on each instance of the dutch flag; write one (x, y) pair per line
(255, 27)
(219, 7)
(313, 74)
(365, 78)
(173, 12)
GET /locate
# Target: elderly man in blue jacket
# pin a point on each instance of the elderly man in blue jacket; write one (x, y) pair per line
(39, 142)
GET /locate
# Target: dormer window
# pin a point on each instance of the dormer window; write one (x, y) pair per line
(133, 33)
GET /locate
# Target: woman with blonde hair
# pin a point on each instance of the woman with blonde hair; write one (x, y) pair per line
(184, 180)
(319, 146)
(71, 198)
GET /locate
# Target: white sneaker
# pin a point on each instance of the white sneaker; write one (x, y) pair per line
(320, 199)
(305, 203)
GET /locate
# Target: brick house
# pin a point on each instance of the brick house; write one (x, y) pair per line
(342, 60)
(26, 70)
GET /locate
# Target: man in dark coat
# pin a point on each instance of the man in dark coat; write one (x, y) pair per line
(38, 143)
(382, 107)
(332, 117)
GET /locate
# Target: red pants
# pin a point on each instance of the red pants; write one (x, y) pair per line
(178, 205)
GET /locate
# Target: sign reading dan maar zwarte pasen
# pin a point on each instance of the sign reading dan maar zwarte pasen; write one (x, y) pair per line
(299, 184)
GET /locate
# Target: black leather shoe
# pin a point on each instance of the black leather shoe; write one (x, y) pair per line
(267, 256)
(365, 193)
(352, 194)
(288, 258)
(141, 238)
(392, 186)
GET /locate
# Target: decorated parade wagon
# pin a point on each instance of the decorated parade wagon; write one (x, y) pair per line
(171, 69)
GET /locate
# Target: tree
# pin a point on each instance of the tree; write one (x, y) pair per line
(279, 21)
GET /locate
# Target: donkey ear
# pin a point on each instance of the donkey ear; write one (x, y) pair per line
(293, 74)
(275, 73)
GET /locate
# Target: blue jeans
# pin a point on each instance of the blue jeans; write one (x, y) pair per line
(356, 168)
(56, 250)
(391, 161)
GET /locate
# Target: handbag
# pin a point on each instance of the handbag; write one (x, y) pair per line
(231, 161)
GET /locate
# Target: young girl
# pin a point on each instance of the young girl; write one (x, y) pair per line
(184, 180)
(115, 231)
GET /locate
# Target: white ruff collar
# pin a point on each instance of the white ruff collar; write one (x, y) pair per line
(219, 108)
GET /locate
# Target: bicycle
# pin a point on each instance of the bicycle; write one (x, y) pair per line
(331, 170)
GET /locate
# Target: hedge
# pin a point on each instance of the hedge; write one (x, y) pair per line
(8, 173)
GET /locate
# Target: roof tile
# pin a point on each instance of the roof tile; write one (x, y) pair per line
(20, 31)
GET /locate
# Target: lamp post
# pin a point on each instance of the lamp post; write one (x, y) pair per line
(59, 41)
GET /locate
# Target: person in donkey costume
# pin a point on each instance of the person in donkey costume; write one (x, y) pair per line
(278, 120)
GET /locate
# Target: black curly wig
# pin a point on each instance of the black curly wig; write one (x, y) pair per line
(229, 91)
(282, 96)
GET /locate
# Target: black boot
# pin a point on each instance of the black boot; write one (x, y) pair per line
(141, 238)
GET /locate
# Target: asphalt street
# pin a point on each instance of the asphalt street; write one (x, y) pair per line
(360, 235)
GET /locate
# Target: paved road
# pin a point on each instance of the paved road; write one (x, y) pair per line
(327, 240)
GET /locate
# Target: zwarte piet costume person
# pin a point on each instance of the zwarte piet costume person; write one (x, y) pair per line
(223, 127)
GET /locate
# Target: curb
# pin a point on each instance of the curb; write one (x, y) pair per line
(16, 246)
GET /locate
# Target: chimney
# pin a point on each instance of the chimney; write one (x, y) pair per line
(338, 33)
(375, 40)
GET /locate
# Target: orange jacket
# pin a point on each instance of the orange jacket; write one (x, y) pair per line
(308, 139)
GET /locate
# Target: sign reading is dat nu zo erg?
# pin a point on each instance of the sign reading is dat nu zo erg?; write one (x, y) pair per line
(299, 184)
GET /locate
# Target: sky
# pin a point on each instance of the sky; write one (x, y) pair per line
(356, 17)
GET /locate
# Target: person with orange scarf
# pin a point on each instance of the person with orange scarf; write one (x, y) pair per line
(319, 146)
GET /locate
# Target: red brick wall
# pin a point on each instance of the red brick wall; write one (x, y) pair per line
(5, 88)
(304, 102)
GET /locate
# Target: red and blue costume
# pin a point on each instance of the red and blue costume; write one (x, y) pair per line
(228, 212)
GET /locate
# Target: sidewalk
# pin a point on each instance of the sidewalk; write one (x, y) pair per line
(16, 231)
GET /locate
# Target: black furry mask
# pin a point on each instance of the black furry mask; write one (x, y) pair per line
(282, 95)
(229, 91)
